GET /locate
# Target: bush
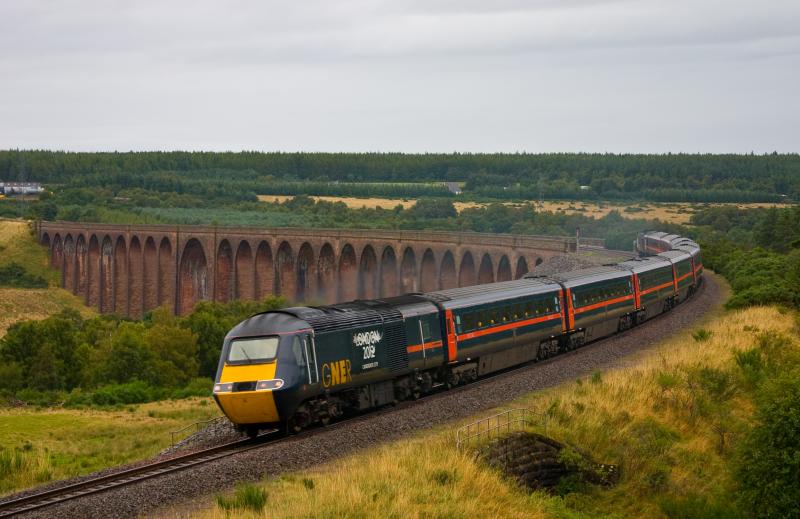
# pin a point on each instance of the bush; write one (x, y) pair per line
(15, 275)
(768, 465)
(199, 386)
(39, 398)
(136, 392)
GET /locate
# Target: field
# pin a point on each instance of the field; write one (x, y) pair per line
(646, 417)
(41, 445)
(677, 212)
(18, 245)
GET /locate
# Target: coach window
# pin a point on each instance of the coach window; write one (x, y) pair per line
(426, 330)
(299, 354)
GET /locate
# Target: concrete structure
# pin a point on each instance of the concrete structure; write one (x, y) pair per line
(21, 188)
(131, 269)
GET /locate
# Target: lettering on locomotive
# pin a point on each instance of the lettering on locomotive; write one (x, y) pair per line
(336, 372)
(368, 341)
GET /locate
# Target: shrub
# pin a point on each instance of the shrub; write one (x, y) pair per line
(768, 465)
(199, 386)
(751, 364)
(250, 497)
(39, 398)
(15, 275)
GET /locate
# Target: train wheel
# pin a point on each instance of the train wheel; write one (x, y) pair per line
(251, 432)
(290, 427)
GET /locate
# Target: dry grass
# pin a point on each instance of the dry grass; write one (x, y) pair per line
(38, 445)
(17, 304)
(679, 213)
(628, 416)
(18, 245)
(351, 202)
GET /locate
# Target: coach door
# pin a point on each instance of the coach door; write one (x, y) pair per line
(310, 348)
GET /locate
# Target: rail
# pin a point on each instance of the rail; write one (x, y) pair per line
(93, 485)
(511, 420)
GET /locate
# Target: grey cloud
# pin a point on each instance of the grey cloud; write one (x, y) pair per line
(645, 75)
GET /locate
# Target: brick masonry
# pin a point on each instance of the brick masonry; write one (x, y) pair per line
(130, 269)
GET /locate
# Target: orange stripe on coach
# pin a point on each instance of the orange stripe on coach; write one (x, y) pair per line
(603, 303)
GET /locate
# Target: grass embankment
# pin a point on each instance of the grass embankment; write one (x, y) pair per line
(678, 213)
(671, 420)
(41, 445)
(17, 245)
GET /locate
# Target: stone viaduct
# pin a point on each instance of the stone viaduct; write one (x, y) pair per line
(131, 269)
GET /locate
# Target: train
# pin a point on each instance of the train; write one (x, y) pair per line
(304, 366)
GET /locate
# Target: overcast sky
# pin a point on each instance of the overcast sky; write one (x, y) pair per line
(397, 75)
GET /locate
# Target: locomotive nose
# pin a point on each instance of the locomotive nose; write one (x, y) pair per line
(245, 393)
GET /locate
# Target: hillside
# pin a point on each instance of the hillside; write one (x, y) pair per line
(674, 420)
(17, 245)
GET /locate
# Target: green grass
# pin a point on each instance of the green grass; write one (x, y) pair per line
(40, 445)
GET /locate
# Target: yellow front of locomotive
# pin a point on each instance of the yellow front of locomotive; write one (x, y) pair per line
(246, 380)
(262, 370)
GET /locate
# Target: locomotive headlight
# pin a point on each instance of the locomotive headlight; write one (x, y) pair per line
(268, 385)
(223, 388)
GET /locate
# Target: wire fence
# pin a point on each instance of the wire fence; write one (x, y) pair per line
(196, 426)
(496, 425)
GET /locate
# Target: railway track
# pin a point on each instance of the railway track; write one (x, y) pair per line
(55, 496)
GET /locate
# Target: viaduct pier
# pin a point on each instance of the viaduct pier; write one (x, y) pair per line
(130, 269)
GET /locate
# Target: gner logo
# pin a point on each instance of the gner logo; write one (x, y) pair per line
(369, 338)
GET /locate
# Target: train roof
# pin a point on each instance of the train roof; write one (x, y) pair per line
(644, 264)
(342, 316)
(693, 250)
(675, 255)
(477, 294)
(589, 275)
(280, 321)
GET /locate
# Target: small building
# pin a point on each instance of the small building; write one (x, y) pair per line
(453, 187)
(21, 188)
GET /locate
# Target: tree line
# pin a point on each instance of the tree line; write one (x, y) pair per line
(109, 360)
(757, 250)
(664, 177)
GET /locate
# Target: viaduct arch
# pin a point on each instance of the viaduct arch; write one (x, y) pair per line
(132, 269)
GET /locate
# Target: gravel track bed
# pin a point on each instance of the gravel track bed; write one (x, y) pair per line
(326, 444)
